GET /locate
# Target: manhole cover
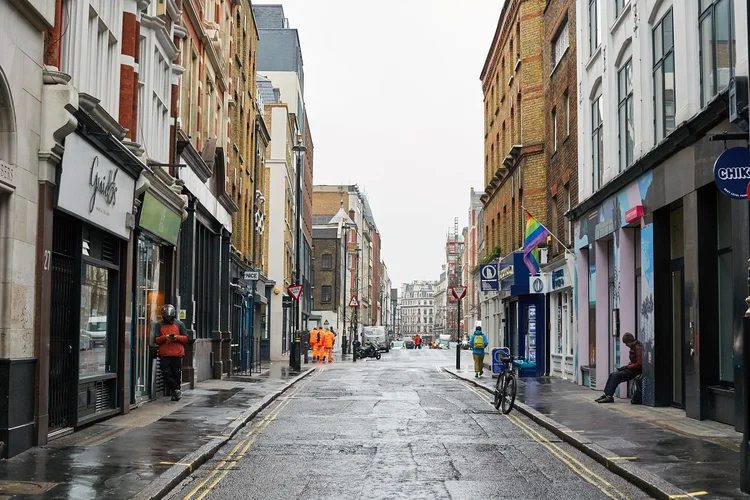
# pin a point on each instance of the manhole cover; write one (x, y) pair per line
(24, 487)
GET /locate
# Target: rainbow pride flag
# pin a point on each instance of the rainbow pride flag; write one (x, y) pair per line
(536, 233)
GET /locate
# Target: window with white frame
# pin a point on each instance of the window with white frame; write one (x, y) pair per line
(597, 144)
(91, 49)
(566, 111)
(664, 84)
(594, 30)
(553, 118)
(620, 6)
(625, 127)
(560, 44)
(717, 46)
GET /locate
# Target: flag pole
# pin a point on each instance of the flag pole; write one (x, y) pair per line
(567, 250)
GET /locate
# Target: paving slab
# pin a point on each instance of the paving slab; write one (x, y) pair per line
(660, 449)
(142, 454)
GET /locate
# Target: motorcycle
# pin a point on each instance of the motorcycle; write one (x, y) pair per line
(371, 350)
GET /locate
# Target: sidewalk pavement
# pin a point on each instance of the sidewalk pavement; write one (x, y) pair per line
(659, 449)
(151, 449)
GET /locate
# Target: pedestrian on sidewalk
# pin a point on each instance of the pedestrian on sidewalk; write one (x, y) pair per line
(478, 343)
(417, 342)
(329, 338)
(624, 373)
(171, 336)
(315, 343)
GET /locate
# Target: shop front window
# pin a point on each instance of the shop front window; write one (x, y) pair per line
(95, 331)
(724, 246)
(592, 306)
(149, 297)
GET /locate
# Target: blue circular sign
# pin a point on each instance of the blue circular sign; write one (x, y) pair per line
(732, 172)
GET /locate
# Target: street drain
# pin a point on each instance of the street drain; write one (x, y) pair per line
(483, 412)
(25, 487)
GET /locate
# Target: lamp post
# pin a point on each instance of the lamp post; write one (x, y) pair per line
(299, 148)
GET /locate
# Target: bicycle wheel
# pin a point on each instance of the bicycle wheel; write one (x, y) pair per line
(509, 394)
(498, 391)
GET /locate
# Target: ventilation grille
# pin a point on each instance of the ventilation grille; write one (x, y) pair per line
(109, 249)
(102, 396)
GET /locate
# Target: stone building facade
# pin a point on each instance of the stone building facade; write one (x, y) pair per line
(21, 95)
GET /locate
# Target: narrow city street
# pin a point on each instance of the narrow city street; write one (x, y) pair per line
(400, 427)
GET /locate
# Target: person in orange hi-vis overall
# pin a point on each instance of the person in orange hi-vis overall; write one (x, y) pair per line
(328, 339)
(314, 343)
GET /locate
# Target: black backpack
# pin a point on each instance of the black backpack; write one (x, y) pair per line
(637, 397)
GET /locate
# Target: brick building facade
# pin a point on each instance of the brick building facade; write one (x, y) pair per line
(515, 174)
(515, 163)
(561, 97)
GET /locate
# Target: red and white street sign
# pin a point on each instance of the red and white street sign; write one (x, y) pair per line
(354, 302)
(459, 292)
(295, 291)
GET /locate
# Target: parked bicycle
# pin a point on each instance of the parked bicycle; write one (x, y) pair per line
(505, 388)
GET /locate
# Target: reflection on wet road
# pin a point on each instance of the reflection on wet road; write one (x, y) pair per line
(396, 428)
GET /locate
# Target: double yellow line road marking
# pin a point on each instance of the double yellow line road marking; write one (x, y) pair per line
(573, 463)
(247, 439)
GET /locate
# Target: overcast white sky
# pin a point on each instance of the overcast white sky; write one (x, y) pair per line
(395, 105)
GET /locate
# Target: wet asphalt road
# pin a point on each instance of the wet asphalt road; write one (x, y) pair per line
(397, 428)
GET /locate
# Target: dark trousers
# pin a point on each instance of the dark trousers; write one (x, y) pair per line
(618, 377)
(171, 368)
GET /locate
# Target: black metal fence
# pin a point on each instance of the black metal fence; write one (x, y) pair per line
(64, 341)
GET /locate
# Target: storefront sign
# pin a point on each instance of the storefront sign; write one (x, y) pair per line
(488, 277)
(160, 220)
(732, 172)
(558, 279)
(93, 188)
(539, 284)
(634, 213)
(505, 273)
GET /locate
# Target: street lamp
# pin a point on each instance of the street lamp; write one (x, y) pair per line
(294, 358)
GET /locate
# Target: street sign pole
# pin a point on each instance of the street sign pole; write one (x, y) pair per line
(458, 337)
(458, 292)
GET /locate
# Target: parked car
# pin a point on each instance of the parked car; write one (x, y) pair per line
(85, 341)
(398, 344)
(409, 344)
(96, 330)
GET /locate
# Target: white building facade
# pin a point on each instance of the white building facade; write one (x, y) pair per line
(418, 309)
(653, 78)
(281, 223)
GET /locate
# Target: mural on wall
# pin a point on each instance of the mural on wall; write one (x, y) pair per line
(611, 213)
(600, 223)
(647, 307)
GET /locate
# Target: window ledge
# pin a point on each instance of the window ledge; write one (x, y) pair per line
(593, 57)
(620, 18)
(562, 56)
(518, 64)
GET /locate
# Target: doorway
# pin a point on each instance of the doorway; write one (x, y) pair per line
(677, 305)
(677, 286)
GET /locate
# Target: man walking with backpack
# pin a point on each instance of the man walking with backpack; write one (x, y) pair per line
(478, 342)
